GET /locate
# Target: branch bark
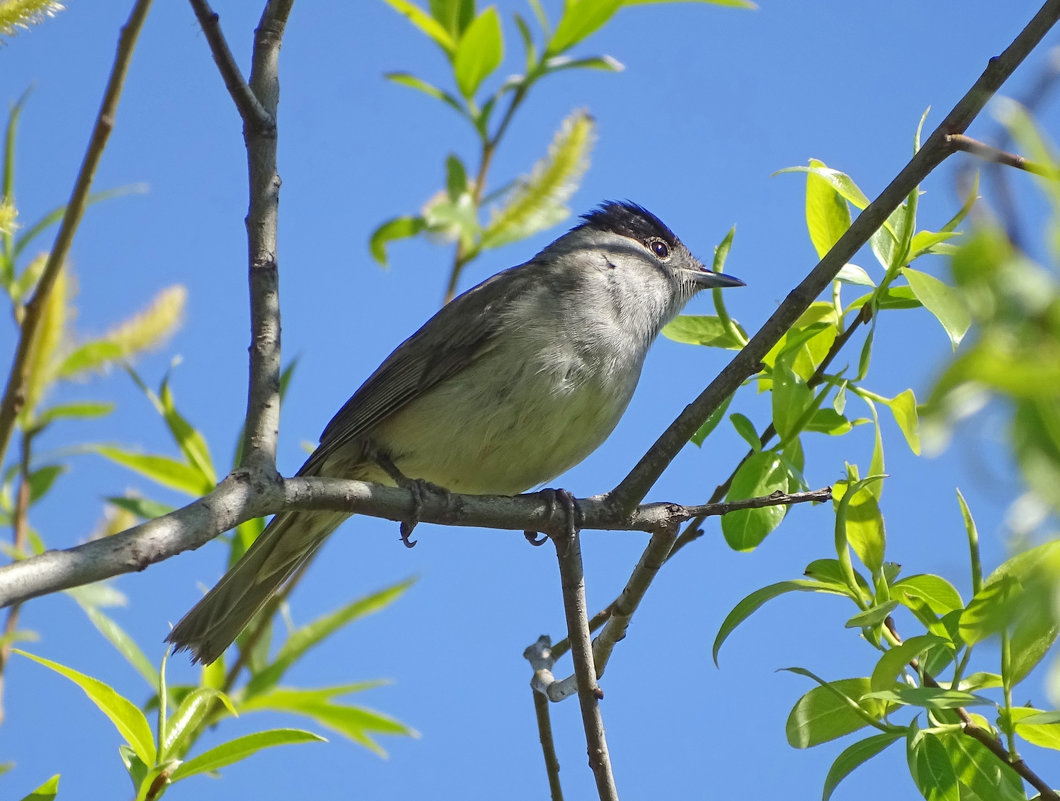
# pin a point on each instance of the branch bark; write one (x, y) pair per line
(633, 488)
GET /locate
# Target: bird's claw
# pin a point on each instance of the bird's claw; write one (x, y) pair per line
(572, 515)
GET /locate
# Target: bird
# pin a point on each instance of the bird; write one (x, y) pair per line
(506, 387)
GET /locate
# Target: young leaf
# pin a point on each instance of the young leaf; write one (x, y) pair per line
(854, 275)
(82, 409)
(752, 602)
(840, 181)
(927, 591)
(46, 792)
(929, 697)
(125, 644)
(420, 85)
(605, 63)
(580, 19)
(397, 228)
(141, 507)
(304, 638)
(762, 474)
(186, 719)
(353, 722)
(931, 769)
(941, 300)
(858, 512)
(703, 329)
(827, 213)
(895, 660)
(791, 398)
(853, 756)
(453, 15)
(162, 469)
(426, 23)
(829, 711)
(41, 480)
(982, 772)
(903, 407)
(242, 747)
(746, 429)
(123, 713)
(711, 423)
(479, 53)
(873, 616)
(539, 199)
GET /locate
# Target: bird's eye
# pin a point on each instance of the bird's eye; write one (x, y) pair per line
(659, 248)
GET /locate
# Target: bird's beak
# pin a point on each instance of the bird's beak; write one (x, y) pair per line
(706, 279)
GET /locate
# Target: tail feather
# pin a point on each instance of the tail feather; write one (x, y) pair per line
(285, 544)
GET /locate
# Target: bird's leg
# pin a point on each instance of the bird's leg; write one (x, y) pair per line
(571, 513)
(417, 487)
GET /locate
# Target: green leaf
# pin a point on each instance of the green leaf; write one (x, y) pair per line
(123, 713)
(420, 85)
(852, 274)
(455, 177)
(355, 723)
(242, 747)
(305, 637)
(141, 507)
(840, 181)
(580, 19)
(479, 53)
(791, 398)
(981, 771)
(91, 356)
(426, 23)
(702, 329)
(161, 469)
(929, 697)
(873, 616)
(712, 422)
(829, 421)
(895, 660)
(752, 602)
(605, 63)
(46, 792)
(931, 768)
(925, 242)
(82, 409)
(182, 727)
(829, 711)
(832, 572)
(762, 474)
(124, 644)
(853, 756)
(41, 480)
(807, 342)
(397, 228)
(191, 443)
(858, 512)
(827, 213)
(1037, 727)
(903, 407)
(538, 200)
(746, 429)
(929, 592)
(453, 15)
(941, 300)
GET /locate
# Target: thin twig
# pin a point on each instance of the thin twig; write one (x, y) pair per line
(973, 730)
(996, 155)
(247, 103)
(548, 745)
(572, 578)
(636, 484)
(20, 524)
(15, 391)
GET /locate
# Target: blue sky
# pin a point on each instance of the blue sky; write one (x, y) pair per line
(712, 102)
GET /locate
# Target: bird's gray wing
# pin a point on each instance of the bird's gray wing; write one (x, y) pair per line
(456, 336)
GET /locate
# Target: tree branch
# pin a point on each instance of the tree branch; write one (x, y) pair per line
(548, 745)
(572, 578)
(257, 103)
(990, 153)
(239, 498)
(15, 392)
(632, 489)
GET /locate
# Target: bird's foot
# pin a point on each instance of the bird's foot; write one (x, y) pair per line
(572, 516)
(419, 490)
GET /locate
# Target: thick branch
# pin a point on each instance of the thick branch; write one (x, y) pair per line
(635, 486)
(15, 391)
(239, 498)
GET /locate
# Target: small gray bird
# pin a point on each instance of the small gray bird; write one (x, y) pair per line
(505, 388)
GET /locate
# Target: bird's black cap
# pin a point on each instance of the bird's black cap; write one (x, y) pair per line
(628, 219)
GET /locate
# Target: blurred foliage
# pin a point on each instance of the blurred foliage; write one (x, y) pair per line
(1002, 316)
(473, 44)
(16, 15)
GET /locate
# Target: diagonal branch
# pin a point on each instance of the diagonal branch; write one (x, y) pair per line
(15, 392)
(632, 489)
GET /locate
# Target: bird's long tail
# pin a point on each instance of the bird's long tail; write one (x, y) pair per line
(285, 544)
